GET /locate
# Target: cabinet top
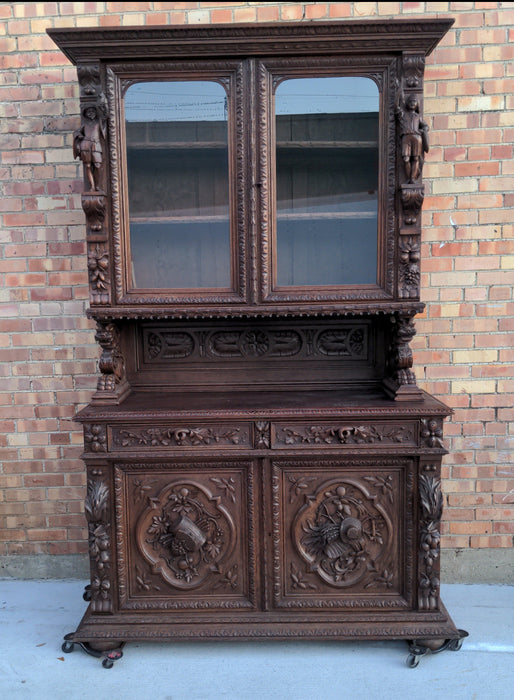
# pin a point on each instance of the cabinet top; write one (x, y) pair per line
(299, 38)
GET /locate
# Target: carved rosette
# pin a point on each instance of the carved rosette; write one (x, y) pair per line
(112, 385)
(432, 432)
(95, 438)
(344, 532)
(186, 535)
(97, 508)
(431, 508)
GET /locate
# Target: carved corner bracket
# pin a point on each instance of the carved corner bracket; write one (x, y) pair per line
(400, 384)
(113, 386)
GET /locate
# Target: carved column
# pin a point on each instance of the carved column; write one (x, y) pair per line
(113, 386)
(90, 145)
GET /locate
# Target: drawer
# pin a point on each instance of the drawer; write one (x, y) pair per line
(340, 434)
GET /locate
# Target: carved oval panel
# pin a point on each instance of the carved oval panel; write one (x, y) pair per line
(185, 534)
(343, 531)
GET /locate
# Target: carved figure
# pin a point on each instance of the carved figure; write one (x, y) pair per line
(414, 137)
(87, 145)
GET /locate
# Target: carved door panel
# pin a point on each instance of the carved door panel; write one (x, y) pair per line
(343, 532)
(186, 535)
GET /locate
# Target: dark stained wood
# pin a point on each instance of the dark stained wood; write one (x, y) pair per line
(260, 461)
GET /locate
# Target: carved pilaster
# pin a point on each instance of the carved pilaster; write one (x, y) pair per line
(97, 508)
(89, 144)
(412, 145)
(431, 508)
(401, 381)
(112, 385)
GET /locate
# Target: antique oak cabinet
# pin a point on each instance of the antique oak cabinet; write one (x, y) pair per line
(260, 461)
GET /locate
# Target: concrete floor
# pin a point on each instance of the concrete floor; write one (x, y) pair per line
(34, 616)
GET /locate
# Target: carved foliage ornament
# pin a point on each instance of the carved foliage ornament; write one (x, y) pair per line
(345, 435)
(180, 437)
(97, 514)
(431, 505)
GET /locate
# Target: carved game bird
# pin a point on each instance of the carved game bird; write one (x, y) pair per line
(334, 539)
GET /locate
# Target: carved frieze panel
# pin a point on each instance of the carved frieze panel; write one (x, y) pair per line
(166, 436)
(189, 536)
(349, 341)
(337, 533)
(363, 434)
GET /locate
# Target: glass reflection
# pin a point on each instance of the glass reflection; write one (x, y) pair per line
(327, 181)
(178, 191)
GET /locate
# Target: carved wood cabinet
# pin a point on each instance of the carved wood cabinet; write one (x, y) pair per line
(260, 460)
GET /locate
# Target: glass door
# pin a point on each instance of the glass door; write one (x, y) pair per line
(183, 231)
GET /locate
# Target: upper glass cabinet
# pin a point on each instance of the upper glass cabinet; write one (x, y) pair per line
(270, 169)
(327, 174)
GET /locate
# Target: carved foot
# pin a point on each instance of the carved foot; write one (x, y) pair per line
(420, 647)
(108, 656)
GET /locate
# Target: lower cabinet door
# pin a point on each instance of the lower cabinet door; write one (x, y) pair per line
(185, 535)
(343, 533)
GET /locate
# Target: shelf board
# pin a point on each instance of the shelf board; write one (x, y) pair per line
(216, 145)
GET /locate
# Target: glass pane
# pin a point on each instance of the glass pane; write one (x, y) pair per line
(327, 181)
(177, 165)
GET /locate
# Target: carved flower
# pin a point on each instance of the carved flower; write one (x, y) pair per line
(432, 433)
(96, 438)
(298, 580)
(100, 588)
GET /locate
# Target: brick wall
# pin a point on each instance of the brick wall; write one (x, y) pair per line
(464, 348)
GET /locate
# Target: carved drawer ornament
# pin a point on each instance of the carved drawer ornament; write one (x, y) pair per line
(345, 435)
(186, 534)
(343, 532)
(178, 436)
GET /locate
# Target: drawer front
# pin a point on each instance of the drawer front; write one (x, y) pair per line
(341, 434)
(186, 535)
(181, 435)
(342, 533)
